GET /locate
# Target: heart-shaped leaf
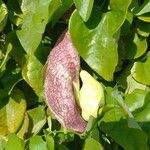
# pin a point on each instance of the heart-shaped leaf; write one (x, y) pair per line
(97, 39)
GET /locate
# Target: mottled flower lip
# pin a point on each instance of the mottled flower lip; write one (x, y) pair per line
(62, 70)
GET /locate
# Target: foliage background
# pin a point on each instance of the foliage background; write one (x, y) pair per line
(112, 38)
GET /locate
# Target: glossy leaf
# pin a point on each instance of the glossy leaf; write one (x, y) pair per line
(97, 40)
(34, 25)
(140, 70)
(91, 49)
(14, 143)
(37, 143)
(84, 8)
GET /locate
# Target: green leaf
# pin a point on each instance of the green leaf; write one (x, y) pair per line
(133, 84)
(136, 99)
(91, 96)
(135, 47)
(34, 25)
(14, 143)
(145, 8)
(139, 102)
(12, 112)
(90, 143)
(84, 8)
(97, 40)
(5, 59)
(3, 15)
(32, 73)
(120, 100)
(50, 142)
(38, 119)
(140, 70)
(53, 7)
(118, 130)
(145, 17)
(24, 127)
(119, 123)
(37, 143)
(127, 82)
(143, 28)
(16, 108)
(17, 52)
(91, 49)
